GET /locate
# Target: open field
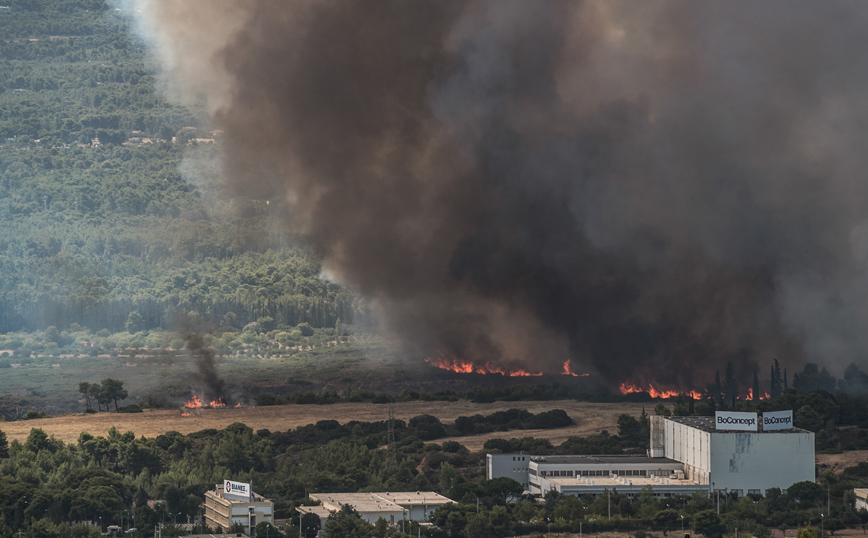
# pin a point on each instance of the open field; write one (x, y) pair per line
(588, 417)
(838, 462)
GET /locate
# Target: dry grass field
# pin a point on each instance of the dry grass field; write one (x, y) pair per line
(588, 418)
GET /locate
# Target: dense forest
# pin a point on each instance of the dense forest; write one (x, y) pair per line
(109, 194)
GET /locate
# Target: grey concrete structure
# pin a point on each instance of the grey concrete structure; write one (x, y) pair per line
(687, 454)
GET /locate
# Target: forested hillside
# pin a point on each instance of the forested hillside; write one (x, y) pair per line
(110, 207)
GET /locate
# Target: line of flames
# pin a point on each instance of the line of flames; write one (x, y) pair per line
(467, 367)
(196, 403)
(628, 388)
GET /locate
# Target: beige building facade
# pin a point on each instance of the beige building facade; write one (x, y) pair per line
(224, 508)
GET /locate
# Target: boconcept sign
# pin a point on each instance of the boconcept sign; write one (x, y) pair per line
(773, 420)
(236, 490)
(728, 420)
(778, 420)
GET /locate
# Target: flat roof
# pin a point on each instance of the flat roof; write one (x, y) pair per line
(706, 424)
(320, 511)
(389, 501)
(415, 497)
(626, 459)
(362, 502)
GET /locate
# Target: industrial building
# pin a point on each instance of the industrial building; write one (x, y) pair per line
(235, 502)
(726, 453)
(861, 498)
(391, 506)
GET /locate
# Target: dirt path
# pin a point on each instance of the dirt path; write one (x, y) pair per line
(588, 417)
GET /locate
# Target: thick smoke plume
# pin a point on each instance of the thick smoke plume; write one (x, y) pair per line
(650, 189)
(203, 358)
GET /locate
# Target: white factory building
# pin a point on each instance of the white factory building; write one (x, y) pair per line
(731, 452)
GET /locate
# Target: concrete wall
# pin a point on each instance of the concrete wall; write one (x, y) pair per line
(514, 466)
(692, 447)
(748, 461)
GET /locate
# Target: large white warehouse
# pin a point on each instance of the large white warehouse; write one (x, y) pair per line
(729, 453)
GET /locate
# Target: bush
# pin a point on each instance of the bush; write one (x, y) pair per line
(267, 398)
(132, 408)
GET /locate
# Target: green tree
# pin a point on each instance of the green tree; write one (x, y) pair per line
(709, 524)
(808, 532)
(806, 417)
(84, 388)
(776, 386)
(113, 390)
(95, 392)
(347, 523)
(666, 518)
(630, 430)
(4, 445)
(265, 529)
(502, 489)
(135, 322)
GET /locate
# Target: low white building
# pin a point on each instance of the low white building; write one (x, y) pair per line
(686, 454)
(861, 498)
(391, 506)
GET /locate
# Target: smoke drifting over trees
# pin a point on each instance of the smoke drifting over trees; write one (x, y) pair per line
(648, 189)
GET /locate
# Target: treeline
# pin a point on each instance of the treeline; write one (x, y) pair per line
(59, 490)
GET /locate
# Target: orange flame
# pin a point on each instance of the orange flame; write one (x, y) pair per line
(627, 388)
(568, 371)
(196, 403)
(463, 367)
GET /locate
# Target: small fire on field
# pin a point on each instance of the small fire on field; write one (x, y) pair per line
(195, 404)
(467, 367)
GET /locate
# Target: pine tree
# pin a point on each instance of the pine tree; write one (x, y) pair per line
(730, 385)
(776, 383)
(718, 390)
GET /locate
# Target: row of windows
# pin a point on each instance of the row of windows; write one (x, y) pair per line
(620, 472)
(520, 458)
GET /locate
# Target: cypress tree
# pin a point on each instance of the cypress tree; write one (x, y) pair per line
(756, 392)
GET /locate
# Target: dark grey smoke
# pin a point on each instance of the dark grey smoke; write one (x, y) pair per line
(204, 359)
(650, 189)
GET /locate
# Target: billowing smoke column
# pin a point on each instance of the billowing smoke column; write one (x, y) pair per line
(648, 189)
(204, 359)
